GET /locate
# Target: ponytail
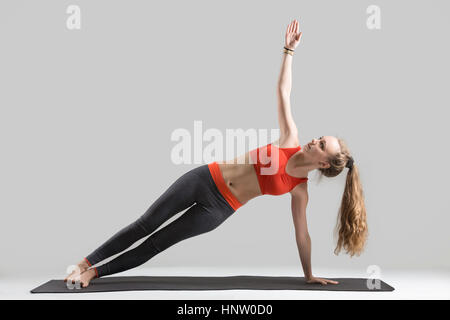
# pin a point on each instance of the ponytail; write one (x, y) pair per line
(351, 227)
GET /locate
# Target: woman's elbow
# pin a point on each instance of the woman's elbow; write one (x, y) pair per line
(302, 236)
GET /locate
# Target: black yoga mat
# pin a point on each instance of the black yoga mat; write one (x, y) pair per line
(107, 284)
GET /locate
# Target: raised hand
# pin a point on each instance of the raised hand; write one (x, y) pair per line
(293, 36)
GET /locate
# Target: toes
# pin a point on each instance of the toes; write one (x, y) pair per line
(67, 278)
(75, 275)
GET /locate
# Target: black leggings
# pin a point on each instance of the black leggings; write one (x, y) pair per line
(195, 190)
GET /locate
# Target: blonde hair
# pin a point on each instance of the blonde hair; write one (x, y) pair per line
(351, 226)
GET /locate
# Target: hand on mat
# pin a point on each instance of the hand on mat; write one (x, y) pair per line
(320, 280)
(292, 38)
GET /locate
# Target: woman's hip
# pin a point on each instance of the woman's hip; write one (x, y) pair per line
(209, 194)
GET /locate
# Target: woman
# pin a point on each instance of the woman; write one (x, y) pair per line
(213, 192)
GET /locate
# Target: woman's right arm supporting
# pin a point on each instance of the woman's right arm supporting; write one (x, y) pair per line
(299, 202)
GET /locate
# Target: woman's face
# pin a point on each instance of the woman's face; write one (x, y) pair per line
(318, 150)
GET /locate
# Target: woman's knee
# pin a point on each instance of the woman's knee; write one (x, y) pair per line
(195, 221)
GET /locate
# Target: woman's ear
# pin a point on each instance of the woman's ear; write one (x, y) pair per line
(324, 165)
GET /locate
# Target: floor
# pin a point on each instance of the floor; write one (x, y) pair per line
(420, 284)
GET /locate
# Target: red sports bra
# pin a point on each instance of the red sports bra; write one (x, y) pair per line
(270, 169)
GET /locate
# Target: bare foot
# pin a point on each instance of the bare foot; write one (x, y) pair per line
(81, 267)
(83, 279)
(86, 277)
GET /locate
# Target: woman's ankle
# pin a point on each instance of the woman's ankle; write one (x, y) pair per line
(93, 271)
(83, 265)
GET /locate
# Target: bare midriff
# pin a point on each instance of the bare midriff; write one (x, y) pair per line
(240, 177)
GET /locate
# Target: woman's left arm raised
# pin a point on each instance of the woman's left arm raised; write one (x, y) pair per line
(288, 129)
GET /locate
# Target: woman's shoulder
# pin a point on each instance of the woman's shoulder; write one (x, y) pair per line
(300, 190)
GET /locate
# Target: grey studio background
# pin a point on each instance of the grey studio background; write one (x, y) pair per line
(87, 115)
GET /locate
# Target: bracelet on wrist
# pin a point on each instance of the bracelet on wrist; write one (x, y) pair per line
(288, 52)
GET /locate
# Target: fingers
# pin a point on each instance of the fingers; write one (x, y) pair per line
(297, 30)
(293, 27)
(326, 281)
(330, 281)
(67, 278)
(317, 280)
